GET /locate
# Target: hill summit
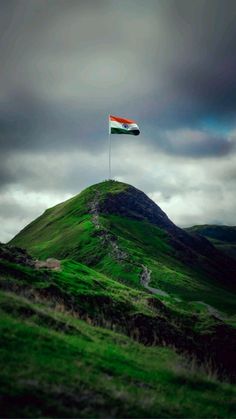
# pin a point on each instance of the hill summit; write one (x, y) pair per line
(130, 227)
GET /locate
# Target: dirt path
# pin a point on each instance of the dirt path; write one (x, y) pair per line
(94, 211)
(145, 279)
(212, 311)
(116, 252)
(105, 236)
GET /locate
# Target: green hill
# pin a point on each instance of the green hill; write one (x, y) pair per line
(117, 230)
(76, 332)
(223, 237)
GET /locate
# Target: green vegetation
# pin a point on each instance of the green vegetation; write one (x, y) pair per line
(77, 287)
(66, 230)
(148, 244)
(85, 293)
(53, 365)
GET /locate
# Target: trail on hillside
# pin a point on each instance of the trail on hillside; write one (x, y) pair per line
(94, 212)
(213, 311)
(117, 253)
(145, 279)
(105, 236)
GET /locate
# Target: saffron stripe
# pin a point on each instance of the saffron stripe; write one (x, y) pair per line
(122, 120)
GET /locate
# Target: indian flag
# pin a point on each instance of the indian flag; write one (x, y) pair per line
(119, 125)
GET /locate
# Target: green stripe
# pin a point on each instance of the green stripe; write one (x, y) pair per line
(124, 131)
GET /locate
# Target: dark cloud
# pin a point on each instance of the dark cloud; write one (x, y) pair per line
(204, 36)
(28, 123)
(67, 64)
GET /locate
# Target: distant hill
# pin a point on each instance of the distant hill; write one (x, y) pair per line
(223, 237)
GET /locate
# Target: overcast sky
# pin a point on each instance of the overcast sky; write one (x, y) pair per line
(168, 64)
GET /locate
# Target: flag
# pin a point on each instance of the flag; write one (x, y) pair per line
(119, 125)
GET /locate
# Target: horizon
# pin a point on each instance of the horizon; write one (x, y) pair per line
(169, 65)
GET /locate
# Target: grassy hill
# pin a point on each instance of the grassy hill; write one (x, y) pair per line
(128, 279)
(116, 229)
(223, 237)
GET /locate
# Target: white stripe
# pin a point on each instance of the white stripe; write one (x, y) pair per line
(116, 124)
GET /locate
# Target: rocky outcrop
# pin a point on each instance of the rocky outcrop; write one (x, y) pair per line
(50, 263)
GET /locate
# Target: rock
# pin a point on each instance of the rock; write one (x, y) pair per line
(50, 263)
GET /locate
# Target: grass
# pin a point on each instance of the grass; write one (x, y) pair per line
(77, 283)
(58, 228)
(83, 371)
(147, 244)
(100, 300)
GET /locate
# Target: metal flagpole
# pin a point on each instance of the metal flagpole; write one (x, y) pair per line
(109, 149)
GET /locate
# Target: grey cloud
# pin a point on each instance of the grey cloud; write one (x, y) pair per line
(170, 65)
(204, 34)
(195, 143)
(53, 171)
(16, 214)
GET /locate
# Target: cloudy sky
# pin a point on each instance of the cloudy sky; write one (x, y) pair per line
(168, 64)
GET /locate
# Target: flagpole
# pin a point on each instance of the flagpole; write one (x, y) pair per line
(109, 149)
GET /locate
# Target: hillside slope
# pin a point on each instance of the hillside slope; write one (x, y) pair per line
(65, 368)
